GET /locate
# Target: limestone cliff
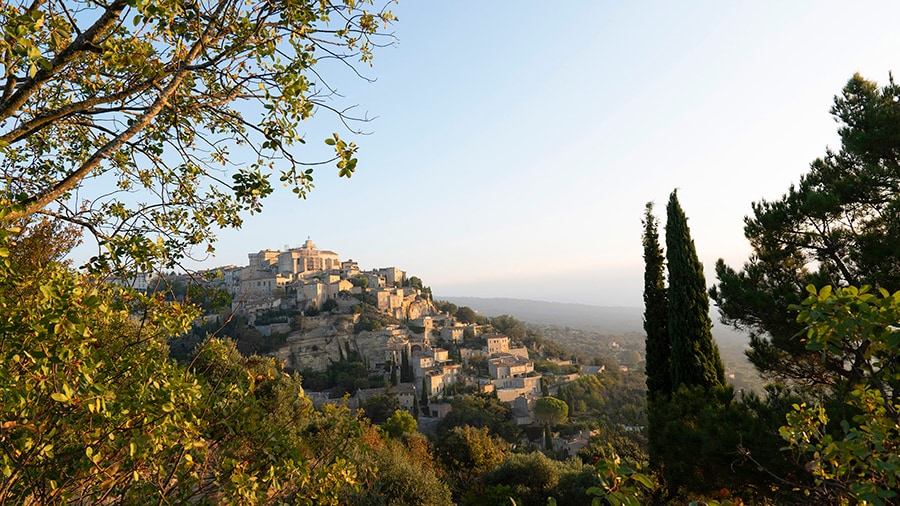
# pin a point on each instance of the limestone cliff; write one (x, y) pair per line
(320, 341)
(419, 308)
(327, 338)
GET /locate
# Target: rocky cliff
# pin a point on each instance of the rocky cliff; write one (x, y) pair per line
(325, 339)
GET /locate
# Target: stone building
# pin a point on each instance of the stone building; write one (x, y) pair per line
(307, 259)
(392, 275)
(505, 365)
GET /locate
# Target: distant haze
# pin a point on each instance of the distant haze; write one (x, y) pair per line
(602, 319)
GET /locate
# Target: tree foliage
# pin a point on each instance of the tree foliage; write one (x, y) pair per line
(612, 398)
(93, 410)
(531, 479)
(83, 390)
(839, 226)
(861, 458)
(695, 359)
(709, 440)
(551, 410)
(656, 315)
(380, 407)
(193, 104)
(396, 478)
(480, 411)
(509, 326)
(400, 424)
(446, 307)
(621, 482)
(466, 314)
(41, 241)
(468, 452)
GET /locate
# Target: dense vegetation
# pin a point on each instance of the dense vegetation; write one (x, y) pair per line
(836, 361)
(152, 95)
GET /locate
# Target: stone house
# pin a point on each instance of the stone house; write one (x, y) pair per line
(573, 444)
(389, 300)
(496, 343)
(425, 322)
(453, 334)
(421, 363)
(437, 378)
(438, 409)
(259, 282)
(392, 275)
(263, 259)
(337, 286)
(592, 369)
(522, 410)
(312, 293)
(374, 280)
(509, 389)
(505, 365)
(407, 394)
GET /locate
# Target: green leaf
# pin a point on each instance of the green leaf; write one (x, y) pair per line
(643, 480)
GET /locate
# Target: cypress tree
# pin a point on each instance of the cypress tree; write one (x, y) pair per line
(656, 313)
(695, 357)
(406, 370)
(424, 394)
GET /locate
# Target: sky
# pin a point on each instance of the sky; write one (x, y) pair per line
(513, 145)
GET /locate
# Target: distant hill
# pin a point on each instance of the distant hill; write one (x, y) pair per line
(602, 319)
(607, 320)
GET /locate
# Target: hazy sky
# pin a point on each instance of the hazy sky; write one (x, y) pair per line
(516, 143)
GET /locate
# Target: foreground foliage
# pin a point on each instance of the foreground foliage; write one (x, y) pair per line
(92, 408)
(853, 450)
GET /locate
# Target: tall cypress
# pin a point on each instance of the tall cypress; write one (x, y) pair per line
(656, 313)
(695, 356)
(406, 370)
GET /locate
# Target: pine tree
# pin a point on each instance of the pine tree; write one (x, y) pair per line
(656, 315)
(695, 356)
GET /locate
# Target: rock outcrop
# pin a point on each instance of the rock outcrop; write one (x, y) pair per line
(320, 341)
(419, 308)
(325, 339)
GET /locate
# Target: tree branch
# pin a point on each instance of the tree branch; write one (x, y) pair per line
(40, 201)
(48, 117)
(109, 18)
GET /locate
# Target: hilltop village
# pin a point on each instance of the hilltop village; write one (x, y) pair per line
(322, 310)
